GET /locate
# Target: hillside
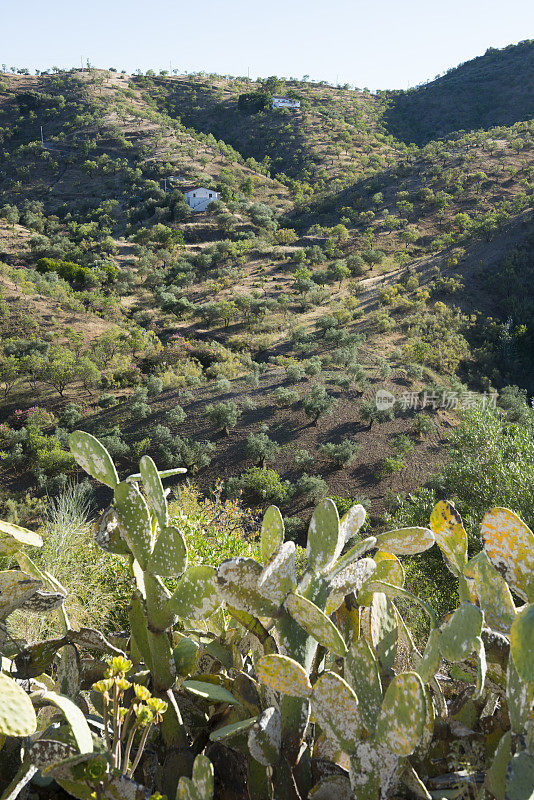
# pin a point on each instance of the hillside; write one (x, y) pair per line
(492, 90)
(248, 342)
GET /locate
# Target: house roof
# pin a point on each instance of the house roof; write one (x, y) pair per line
(201, 189)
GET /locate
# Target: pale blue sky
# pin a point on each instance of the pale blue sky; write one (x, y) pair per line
(384, 44)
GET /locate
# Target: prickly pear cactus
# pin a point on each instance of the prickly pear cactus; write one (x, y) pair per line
(262, 652)
(200, 785)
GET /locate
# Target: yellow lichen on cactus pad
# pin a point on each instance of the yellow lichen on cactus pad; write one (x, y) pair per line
(283, 674)
(509, 544)
(450, 534)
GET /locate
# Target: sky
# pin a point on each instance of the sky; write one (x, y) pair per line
(385, 44)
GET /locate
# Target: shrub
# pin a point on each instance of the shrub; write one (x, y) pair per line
(224, 415)
(295, 372)
(293, 526)
(175, 451)
(423, 425)
(260, 448)
(341, 454)
(265, 484)
(154, 386)
(371, 414)
(344, 504)
(214, 529)
(373, 256)
(515, 403)
(69, 271)
(414, 371)
(140, 410)
(52, 460)
(343, 381)
(402, 444)
(356, 264)
(107, 400)
(317, 403)
(312, 486)
(303, 459)
(195, 455)
(390, 466)
(176, 415)
(286, 397)
(313, 366)
(114, 443)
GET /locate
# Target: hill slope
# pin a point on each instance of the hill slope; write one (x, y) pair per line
(363, 264)
(494, 89)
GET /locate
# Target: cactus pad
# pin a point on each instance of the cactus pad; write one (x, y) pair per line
(405, 541)
(46, 752)
(335, 707)
(169, 557)
(402, 717)
(355, 552)
(154, 490)
(509, 544)
(459, 633)
(279, 577)
(352, 577)
(272, 532)
(185, 656)
(351, 522)
(43, 601)
(520, 698)
(283, 674)
(75, 717)
(135, 523)
(196, 595)
(200, 785)
(237, 580)
(430, 661)
(13, 537)
(496, 775)
(363, 675)
(493, 594)
(108, 535)
(210, 691)
(388, 568)
(519, 781)
(15, 588)
(93, 458)
(383, 629)
(450, 534)
(17, 715)
(315, 623)
(324, 536)
(265, 737)
(522, 643)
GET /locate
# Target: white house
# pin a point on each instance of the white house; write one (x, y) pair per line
(285, 102)
(199, 199)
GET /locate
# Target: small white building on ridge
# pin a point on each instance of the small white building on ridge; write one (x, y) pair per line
(199, 199)
(285, 102)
